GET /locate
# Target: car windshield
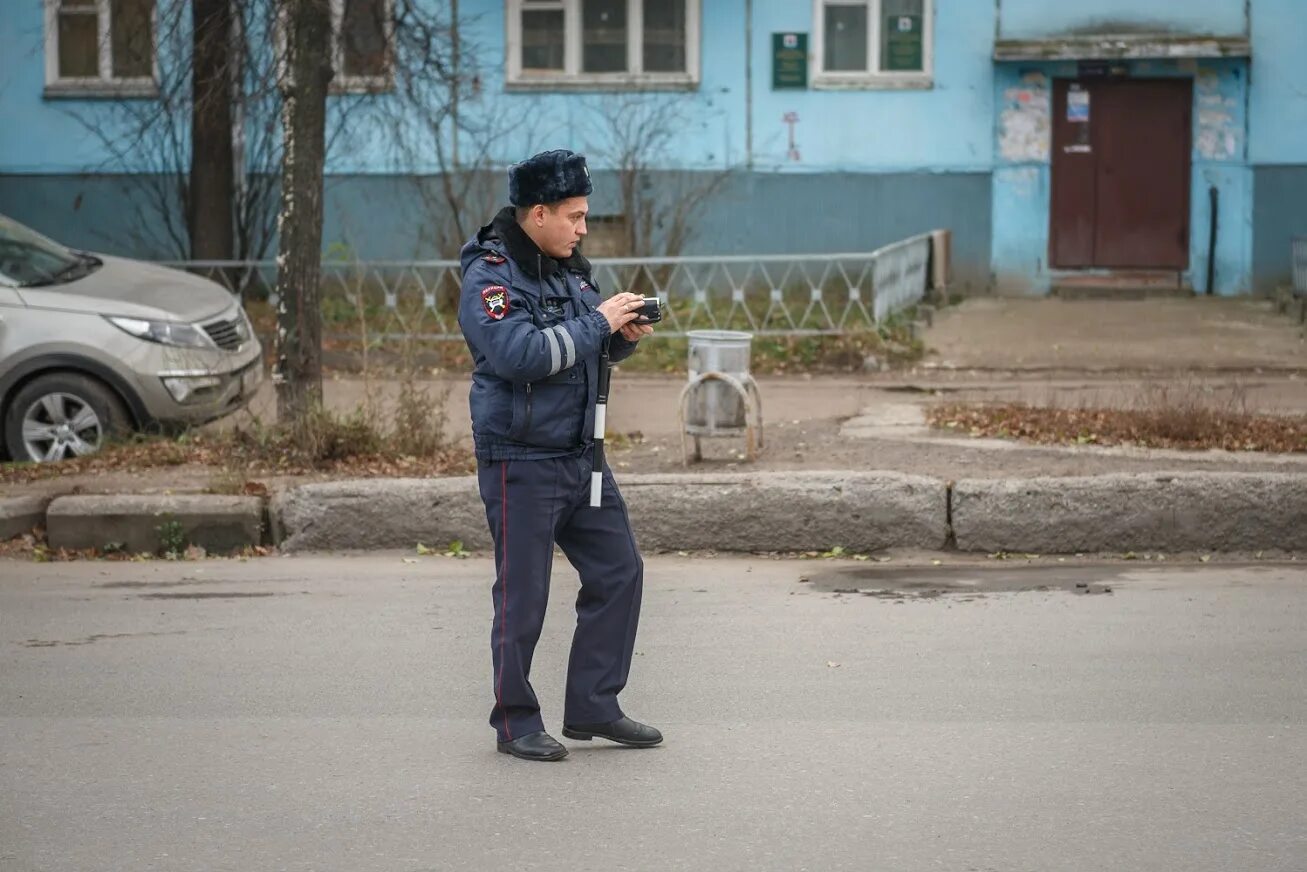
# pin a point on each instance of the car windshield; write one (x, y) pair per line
(28, 259)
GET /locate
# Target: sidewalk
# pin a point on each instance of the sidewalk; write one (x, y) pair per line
(874, 423)
(805, 428)
(1210, 334)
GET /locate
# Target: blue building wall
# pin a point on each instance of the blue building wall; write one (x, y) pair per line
(1034, 19)
(522, 122)
(939, 130)
(873, 166)
(39, 135)
(864, 177)
(969, 153)
(1277, 147)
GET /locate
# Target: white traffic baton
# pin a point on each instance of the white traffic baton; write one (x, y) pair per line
(601, 406)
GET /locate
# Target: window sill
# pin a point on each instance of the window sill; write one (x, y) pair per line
(351, 85)
(603, 83)
(872, 82)
(100, 90)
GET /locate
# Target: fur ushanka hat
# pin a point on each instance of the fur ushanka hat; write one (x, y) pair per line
(548, 177)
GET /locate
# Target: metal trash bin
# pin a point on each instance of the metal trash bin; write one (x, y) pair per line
(721, 397)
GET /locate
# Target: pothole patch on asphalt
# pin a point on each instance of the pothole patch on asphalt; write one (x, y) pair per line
(959, 583)
(61, 643)
(235, 594)
(929, 390)
(184, 581)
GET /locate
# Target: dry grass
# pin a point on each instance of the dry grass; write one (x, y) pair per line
(360, 443)
(338, 445)
(1184, 416)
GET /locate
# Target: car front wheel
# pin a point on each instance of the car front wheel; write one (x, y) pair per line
(63, 415)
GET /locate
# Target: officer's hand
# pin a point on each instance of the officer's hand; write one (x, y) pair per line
(635, 332)
(620, 309)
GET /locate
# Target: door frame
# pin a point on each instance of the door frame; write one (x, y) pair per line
(1057, 103)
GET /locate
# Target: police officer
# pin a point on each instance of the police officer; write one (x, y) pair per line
(537, 327)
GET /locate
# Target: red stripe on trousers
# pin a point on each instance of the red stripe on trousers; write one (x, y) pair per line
(503, 592)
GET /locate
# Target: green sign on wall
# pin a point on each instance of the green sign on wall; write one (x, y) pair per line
(789, 60)
(903, 44)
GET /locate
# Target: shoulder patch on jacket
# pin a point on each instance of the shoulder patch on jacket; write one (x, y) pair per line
(491, 257)
(495, 299)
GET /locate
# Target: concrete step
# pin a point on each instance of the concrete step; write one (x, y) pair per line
(1116, 292)
(1122, 285)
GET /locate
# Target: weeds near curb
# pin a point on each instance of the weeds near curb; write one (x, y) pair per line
(172, 539)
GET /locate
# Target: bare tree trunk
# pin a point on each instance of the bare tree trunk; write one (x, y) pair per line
(454, 49)
(299, 325)
(212, 183)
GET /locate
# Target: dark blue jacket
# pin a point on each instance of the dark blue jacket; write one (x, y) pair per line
(531, 324)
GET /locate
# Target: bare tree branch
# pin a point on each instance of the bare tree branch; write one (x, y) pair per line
(634, 134)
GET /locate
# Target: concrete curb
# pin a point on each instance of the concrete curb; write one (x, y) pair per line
(1232, 511)
(216, 523)
(779, 511)
(19, 515)
(743, 512)
(379, 513)
(812, 511)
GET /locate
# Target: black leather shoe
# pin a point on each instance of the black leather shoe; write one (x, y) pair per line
(623, 731)
(534, 746)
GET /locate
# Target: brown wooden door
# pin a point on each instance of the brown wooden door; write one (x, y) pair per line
(1121, 174)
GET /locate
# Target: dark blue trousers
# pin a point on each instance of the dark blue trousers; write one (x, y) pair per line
(530, 505)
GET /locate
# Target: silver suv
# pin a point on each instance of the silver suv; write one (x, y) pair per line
(93, 347)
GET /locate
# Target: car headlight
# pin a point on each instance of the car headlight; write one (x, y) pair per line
(163, 332)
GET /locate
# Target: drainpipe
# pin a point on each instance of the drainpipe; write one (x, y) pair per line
(748, 84)
(1214, 202)
(236, 70)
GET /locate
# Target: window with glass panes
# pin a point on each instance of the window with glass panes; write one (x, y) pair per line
(100, 42)
(594, 40)
(363, 42)
(873, 38)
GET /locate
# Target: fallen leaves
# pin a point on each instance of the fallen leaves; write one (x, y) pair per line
(1186, 426)
(34, 546)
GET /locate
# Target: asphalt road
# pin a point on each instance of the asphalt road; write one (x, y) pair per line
(329, 713)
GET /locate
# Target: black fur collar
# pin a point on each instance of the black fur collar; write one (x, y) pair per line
(525, 253)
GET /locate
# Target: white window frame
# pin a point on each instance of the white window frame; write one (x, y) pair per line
(873, 77)
(343, 84)
(572, 78)
(105, 84)
(340, 82)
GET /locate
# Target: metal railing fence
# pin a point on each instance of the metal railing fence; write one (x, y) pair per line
(785, 295)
